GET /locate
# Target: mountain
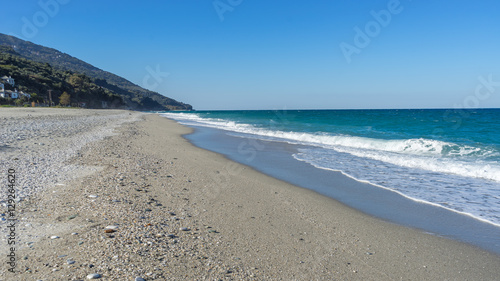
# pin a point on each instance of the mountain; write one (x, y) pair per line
(39, 79)
(134, 96)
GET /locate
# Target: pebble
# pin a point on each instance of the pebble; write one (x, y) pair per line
(184, 229)
(94, 276)
(70, 261)
(54, 237)
(74, 233)
(93, 196)
(113, 227)
(139, 279)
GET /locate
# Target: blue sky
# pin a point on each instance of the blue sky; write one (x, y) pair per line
(254, 54)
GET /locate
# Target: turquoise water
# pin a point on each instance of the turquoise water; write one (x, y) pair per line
(449, 158)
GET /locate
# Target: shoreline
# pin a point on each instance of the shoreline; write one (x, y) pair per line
(240, 223)
(277, 160)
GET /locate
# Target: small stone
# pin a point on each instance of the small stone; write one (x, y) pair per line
(93, 196)
(172, 213)
(80, 243)
(72, 217)
(184, 229)
(70, 261)
(54, 237)
(139, 279)
(109, 230)
(113, 227)
(74, 233)
(148, 210)
(171, 236)
(93, 276)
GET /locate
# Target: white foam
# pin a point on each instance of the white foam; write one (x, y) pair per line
(427, 154)
(474, 197)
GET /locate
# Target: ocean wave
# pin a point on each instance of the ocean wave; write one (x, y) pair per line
(452, 193)
(421, 153)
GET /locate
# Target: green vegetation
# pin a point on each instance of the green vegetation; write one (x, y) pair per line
(65, 99)
(37, 79)
(86, 76)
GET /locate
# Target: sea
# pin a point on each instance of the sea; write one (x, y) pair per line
(437, 159)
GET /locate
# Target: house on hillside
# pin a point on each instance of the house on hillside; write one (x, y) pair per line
(23, 94)
(9, 94)
(12, 94)
(8, 80)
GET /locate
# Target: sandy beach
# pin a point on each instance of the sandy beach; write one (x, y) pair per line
(124, 196)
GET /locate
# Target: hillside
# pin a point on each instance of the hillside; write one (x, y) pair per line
(37, 79)
(134, 96)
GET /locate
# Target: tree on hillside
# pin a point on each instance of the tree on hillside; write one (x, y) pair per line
(64, 99)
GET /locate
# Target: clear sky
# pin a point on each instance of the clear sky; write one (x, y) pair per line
(256, 54)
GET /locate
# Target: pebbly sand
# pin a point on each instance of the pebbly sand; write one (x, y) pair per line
(182, 213)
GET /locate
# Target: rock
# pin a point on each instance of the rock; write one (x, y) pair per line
(94, 276)
(70, 261)
(184, 229)
(109, 230)
(93, 196)
(113, 227)
(139, 279)
(74, 233)
(171, 236)
(54, 237)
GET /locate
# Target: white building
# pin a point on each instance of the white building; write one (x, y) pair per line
(9, 80)
(14, 94)
(9, 94)
(23, 94)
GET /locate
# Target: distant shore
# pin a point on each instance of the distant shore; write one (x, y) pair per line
(178, 212)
